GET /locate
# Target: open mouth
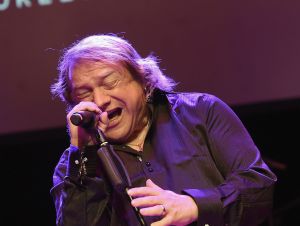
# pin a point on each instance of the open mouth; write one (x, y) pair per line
(114, 113)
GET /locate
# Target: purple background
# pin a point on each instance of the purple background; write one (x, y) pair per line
(243, 52)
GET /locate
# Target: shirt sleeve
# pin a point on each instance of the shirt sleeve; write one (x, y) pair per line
(245, 197)
(80, 199)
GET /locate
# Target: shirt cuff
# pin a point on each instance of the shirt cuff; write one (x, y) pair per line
(73, 163)
(210, 207)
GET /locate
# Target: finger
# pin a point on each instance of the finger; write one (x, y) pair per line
(157, 210)
(103, 121)
(150, 183)
(89, 106)
(163, 222)
(146, 201)
(143, 191)
(85, 106)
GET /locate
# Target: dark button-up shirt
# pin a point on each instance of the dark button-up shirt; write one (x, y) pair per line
(196, 146)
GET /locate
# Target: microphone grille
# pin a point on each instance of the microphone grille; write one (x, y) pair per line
(76, 118)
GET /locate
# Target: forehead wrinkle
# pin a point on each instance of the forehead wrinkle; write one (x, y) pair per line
(86, 66)
(85, 72)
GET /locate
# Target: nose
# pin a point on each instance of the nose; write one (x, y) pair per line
(101, 98)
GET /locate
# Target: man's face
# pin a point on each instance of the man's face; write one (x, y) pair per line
(114, 90)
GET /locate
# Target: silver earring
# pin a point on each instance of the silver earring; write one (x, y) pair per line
(148, 98)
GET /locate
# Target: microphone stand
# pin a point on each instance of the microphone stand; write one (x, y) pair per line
(106, 153)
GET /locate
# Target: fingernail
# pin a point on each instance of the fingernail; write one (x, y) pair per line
(129, 192)
(149, 181)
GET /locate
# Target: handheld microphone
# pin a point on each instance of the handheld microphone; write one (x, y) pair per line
(85, 119)
(117, 175)
(111, 163)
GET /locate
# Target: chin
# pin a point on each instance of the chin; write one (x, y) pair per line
(116, 137)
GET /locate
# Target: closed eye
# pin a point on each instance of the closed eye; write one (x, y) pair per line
(82, 95)
(111, 84)
(111, 81)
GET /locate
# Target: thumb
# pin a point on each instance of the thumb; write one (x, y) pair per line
(150, 183)
(103, 121)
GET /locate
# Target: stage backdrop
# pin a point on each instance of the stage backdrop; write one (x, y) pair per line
(241, 51)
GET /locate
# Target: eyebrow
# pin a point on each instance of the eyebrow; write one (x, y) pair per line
(100, 78)
(106, 75)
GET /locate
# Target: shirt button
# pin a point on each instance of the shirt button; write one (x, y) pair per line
(150, 170)
(148, 164)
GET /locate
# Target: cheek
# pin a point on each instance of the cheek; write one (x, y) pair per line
(139, 103)
(134, 107)
(135, 100)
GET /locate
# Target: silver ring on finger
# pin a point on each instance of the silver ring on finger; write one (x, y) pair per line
(164, 211)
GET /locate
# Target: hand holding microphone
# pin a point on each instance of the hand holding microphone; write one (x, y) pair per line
(82, 119)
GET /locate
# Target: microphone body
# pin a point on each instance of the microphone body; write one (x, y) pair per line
(109, 162)
(85, 119)
(117, 176)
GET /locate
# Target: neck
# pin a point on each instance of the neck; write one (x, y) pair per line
(138, 142)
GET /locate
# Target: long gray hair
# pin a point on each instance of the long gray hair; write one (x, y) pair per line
(114, 50)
